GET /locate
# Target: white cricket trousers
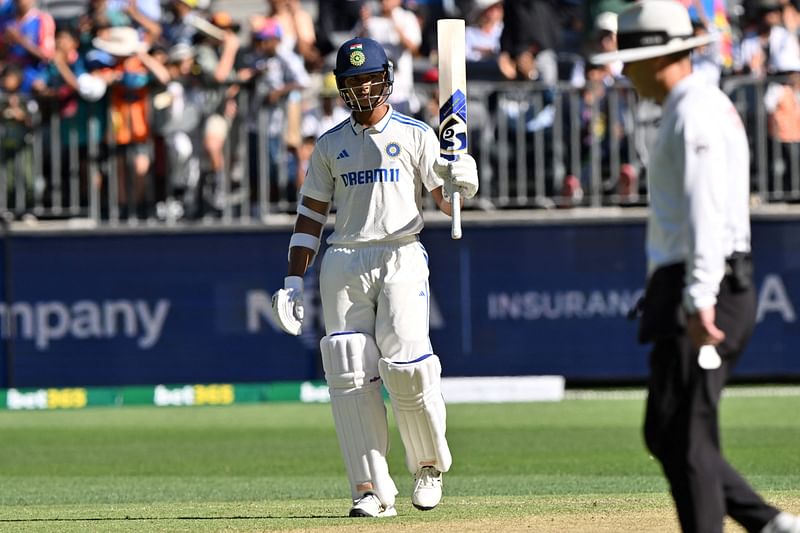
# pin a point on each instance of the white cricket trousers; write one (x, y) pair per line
(379, 289)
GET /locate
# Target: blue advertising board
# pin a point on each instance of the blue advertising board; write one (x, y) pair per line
(126, 309)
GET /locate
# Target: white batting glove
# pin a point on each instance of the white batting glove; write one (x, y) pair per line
(287, 305)
(460, 175)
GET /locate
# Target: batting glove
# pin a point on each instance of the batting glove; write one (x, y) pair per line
(287, 305)
(460, 175)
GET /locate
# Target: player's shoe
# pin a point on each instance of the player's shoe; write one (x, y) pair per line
(370, 505)
(783, 523)
(427, 488)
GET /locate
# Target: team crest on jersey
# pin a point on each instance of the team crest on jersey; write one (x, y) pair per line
(357, 57)
(392, 149)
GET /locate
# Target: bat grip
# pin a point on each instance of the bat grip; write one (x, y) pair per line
(455, 208)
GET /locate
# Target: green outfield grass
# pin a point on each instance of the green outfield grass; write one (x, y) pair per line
(576, 465)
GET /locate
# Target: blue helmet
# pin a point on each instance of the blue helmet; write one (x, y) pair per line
(362, 56)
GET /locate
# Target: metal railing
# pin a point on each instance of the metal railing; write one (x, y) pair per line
(536, 147)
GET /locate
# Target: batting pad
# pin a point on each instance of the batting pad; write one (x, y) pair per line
(415, 388)
(350, 361)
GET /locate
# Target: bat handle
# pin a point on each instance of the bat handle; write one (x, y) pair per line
(455, 207)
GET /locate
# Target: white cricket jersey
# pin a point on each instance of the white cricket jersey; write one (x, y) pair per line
(699, 180)
(375, 176)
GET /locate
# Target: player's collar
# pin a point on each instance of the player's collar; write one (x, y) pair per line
(379, 127)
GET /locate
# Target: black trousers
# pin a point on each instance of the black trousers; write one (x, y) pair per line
(682, 419)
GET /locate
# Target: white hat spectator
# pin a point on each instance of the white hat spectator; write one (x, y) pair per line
(606, 21)
(653, 28)
(121, 41)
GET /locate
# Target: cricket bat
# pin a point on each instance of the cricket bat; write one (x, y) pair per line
(452, 101)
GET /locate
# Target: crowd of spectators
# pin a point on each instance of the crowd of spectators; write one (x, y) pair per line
(161, 87)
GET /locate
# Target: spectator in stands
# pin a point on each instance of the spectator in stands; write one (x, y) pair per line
(275, 74)
(330, 111)
(769, 43)
(181, 29)
(17, 110)
(299, 35)
(130, 108)
(399, 32)
(179, 115)
(531, 36)
(28, 37)
(216, 54)
(782, 102)
(713, 16)
(484, 30)
(602, 40)
(59, 88)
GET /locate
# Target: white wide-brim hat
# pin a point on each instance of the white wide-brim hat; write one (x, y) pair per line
(652, 28)
(121, 41)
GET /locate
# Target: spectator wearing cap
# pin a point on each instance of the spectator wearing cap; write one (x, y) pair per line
(329, 112)
(274, 75)
(482, 34)
(768, 44)
(398, 31)
(135, 69)
(28, 35)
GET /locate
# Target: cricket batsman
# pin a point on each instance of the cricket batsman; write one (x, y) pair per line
(375, 167)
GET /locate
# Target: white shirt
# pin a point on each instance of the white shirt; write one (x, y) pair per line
(784, 49)
(375, 176)
(699, 188)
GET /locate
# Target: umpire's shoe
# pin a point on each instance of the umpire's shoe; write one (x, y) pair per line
(370, 505)
(427, 488)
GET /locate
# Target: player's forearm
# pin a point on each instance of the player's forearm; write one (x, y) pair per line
(311, 217)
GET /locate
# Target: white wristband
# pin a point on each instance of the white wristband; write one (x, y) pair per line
(304, 240)
(310, 213)
(293, 282)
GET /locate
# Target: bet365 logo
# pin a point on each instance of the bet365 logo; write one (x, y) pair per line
(453, 124)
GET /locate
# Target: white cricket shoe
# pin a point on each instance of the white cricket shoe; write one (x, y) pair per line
(370, 505)
(783, 523)
(427, 488)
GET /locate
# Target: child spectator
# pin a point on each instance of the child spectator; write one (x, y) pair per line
(16, 122)
(135, 69)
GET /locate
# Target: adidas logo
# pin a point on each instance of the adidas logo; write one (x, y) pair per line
(422, 293)
(342, 154)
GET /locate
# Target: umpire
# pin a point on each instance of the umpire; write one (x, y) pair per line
(699, 290)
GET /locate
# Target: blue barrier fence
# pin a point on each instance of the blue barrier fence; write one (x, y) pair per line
(122, 309)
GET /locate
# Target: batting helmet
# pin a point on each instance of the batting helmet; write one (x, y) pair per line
(362, 56)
